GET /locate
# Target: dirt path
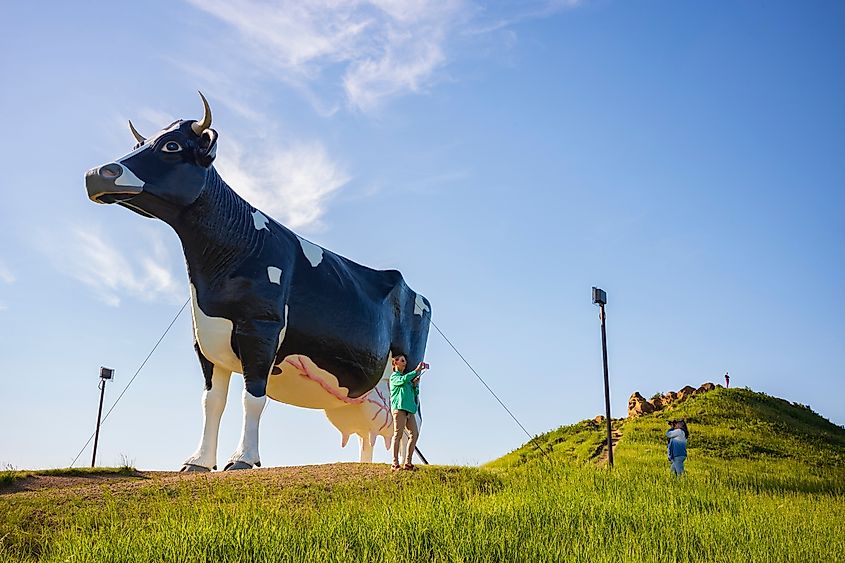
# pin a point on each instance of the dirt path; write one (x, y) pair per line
(95, 484)
(600, 455)
(42, 482)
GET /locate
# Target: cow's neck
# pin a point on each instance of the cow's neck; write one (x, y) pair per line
(217, 231)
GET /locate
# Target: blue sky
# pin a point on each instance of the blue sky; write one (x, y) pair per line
(504, 156)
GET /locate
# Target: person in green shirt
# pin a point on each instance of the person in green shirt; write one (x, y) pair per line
(404, 392)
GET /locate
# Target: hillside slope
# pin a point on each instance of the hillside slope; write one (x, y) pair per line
(726, 424)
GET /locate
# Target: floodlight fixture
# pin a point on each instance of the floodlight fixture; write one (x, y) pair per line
(106, 373)
(599, 296)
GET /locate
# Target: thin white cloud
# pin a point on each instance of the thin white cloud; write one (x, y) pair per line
(6, 274)
(224, 83)
(154, 120)
(292, 184)
(494, 16)
(368, 50)
(377, 49)
(406, 66)
(91, 257)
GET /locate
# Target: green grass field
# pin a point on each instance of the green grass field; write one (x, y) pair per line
(765, 482)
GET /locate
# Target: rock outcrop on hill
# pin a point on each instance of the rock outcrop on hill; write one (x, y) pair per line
(638, 405)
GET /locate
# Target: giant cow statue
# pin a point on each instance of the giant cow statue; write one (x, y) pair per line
(305, 326)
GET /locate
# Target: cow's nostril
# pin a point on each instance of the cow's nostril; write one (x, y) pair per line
(111, 171)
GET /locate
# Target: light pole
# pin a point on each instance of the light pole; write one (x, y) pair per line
(600, 299)
(106, 374)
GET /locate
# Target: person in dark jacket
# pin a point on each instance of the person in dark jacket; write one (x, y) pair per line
(677, 447)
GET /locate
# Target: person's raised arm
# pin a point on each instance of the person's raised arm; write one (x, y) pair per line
(421, 367)
(403, 378)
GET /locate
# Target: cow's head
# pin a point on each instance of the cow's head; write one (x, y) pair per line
(164, 174)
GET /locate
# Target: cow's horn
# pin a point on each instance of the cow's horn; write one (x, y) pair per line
(138, 137)
(200, 126)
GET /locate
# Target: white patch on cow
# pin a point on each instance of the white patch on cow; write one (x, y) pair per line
(388, 369)
(128, 178)
(275, 275)
(284, 329)
(259, 220)
(420, 305)
(282, 332)
(214, 337)
(313, 252)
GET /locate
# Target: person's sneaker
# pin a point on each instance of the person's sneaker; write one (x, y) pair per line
(409, 467)
(395, 467)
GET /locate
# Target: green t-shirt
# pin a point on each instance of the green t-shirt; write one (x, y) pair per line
(403, 393)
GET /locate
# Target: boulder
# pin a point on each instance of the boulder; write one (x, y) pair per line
(637, 405)
(657, 403)
(686, 392)
(706, 387)
(599, 420)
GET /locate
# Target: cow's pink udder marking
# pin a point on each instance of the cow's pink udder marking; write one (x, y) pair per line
(298, 363)
(382, 408)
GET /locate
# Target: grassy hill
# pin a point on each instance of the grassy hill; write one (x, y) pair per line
(765, 482)
(726, 424)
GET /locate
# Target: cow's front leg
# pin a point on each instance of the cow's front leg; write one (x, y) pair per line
(213, 404)
(257, 344)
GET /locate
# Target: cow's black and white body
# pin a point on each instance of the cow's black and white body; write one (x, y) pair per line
(303, 325)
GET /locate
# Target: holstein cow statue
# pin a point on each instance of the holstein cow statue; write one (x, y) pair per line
(305, 326)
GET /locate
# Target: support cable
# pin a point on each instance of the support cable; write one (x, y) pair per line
(133, 378)
(531, 438)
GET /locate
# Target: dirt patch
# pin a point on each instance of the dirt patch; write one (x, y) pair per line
(96, 484)
(42, 482)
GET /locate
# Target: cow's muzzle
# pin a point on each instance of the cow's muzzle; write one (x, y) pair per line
(112, 183)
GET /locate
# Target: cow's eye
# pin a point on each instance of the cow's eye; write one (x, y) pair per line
(171, 146)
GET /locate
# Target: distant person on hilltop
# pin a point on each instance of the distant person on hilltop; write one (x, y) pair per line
(727, 381)
(677, 447)
(404, 402)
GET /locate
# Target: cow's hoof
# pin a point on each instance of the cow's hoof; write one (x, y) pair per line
(235, 465)
(191, 468)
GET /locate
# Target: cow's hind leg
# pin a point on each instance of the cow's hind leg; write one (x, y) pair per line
(257, 344)
(213, 404)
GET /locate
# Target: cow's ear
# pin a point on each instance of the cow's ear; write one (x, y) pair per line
(207, 147)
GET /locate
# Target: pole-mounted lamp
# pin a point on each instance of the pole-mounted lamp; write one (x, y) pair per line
(106, 374)
(600, 299)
